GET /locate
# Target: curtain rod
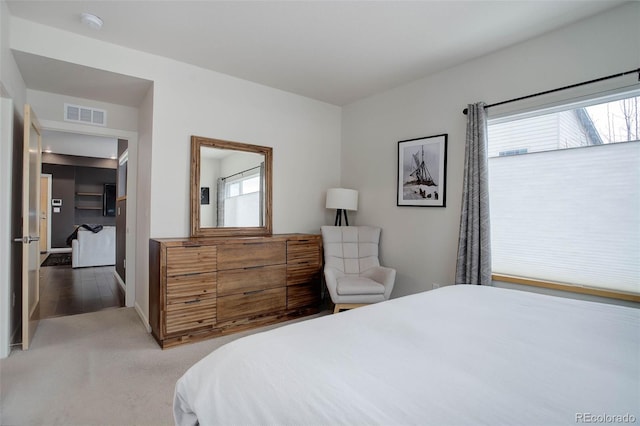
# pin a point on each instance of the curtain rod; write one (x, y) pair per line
(239, 173)
(466, 110)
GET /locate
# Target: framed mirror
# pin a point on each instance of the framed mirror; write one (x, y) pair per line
(230, 188)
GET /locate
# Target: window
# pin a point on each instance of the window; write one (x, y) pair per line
(242, 201)
(564, 188)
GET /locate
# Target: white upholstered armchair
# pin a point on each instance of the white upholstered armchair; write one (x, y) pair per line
(352, 269)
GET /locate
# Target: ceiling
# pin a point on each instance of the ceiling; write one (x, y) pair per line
(332, 51)
(79, 145)
(50, 75)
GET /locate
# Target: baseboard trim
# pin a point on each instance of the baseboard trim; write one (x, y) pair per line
(14, 340)
(122, 284)
(143, 317)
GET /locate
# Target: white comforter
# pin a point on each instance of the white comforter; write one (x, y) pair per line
(460, 355)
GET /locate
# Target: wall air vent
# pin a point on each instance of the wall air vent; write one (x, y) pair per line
(85, 115)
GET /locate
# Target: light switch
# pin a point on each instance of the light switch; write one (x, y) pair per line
(56, 209)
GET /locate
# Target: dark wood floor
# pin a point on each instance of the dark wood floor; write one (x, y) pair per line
(68, 291)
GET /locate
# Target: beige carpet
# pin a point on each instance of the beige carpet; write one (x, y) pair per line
(100, 368)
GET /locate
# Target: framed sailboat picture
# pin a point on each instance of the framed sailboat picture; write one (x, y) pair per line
(422, 171)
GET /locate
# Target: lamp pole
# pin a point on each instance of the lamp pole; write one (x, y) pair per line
(339, 217)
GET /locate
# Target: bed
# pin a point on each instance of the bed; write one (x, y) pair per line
(458, 355)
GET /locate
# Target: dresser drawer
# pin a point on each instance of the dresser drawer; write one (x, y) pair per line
(190, 314)
(247, 304)
(306, 251)
(300, 273)
(189, 260)
(244, 280)
(299, 296)
(248, 255)
(191, 286)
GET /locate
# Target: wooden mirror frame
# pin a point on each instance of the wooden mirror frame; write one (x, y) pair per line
(197, 142)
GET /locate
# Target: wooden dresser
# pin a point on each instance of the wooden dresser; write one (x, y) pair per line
(206, 287)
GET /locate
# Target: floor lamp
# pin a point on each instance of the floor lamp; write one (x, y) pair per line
(342, 200)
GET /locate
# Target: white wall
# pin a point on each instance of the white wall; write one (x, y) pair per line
(304, 134)
(421, 242)
(140, 199)
(239, 162)
(6, 136)
(50, 106)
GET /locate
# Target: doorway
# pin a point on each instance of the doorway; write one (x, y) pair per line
(79, 188)
(127, 95)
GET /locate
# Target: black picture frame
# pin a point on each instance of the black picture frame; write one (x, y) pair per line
(204, 195)
(422, 172)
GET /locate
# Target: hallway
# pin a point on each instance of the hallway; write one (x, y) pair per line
(68, 291)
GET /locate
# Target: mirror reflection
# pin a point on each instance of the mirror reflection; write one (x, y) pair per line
(231, 188)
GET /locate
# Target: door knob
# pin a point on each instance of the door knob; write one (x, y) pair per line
(26, 239)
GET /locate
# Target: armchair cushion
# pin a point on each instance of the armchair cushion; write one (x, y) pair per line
(353, 284)
(351, 249)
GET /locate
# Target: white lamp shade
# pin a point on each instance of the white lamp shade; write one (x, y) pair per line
(341, 198)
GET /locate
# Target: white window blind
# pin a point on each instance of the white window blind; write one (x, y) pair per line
(242, 210)
(569, 212)
(242, 203)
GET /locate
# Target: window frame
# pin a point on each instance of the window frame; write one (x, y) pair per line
(558, 106)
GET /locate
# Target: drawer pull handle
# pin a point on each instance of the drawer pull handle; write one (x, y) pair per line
(246, 293)
(253, 267)
(189, 302)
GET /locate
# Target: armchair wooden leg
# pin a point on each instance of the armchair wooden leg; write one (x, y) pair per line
(341, 306)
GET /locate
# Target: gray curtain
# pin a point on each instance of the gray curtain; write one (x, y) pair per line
(220, 201)
(474, 245)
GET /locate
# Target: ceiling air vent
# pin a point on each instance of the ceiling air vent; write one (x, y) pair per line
(86, 115)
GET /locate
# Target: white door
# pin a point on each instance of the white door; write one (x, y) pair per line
(31, 165)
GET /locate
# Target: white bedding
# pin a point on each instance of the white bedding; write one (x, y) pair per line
(459, 355)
